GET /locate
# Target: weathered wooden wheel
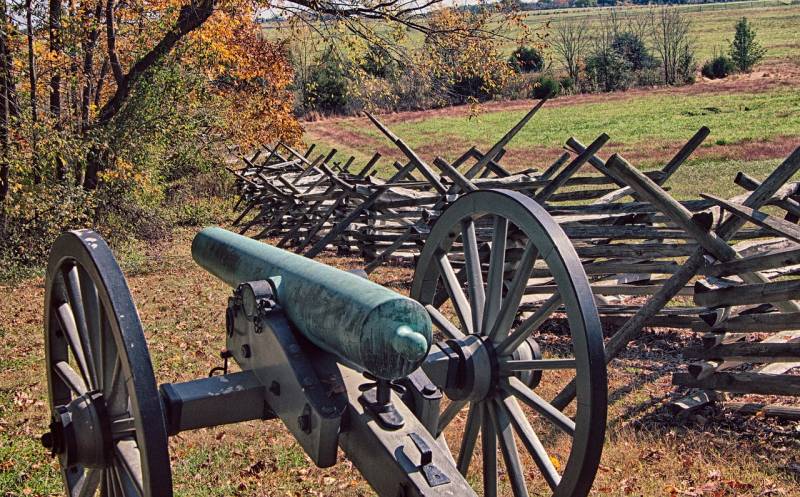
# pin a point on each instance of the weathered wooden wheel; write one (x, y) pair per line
(471, 276)
(107, 426)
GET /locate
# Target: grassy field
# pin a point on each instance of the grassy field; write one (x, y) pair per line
(712, 25)
(647, 452)
(645, 127)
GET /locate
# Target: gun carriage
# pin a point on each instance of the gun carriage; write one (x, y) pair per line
(425, 395)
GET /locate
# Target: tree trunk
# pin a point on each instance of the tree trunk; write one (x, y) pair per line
(5, 112)
(96, 161)
(191, 17)
(89, 46)
(32, 79)
(55, 79)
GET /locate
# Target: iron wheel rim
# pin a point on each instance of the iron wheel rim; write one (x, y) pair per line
(83, 279)
(554, 247)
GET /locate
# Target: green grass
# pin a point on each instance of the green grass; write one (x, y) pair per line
(776, 23)
(732, 118)
(658, 121)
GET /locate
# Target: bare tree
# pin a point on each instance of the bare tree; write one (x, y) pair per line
(671, 39)
(570, 41)
(6, 91)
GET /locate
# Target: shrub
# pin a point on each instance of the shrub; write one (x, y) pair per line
(607, 70)
(633, 50)
(526, 59)
(545, 86)
(379, 63)
(686, 68)
(468, 87)
(719, 67)
(483, 85)
(649, 77)
(567, 85)
(746, 52)
(35, 217)
(326, 88)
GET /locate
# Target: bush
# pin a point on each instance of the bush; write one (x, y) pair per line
(633, 50)
(649, 77)
(545, 86)
(720, 66)
(607, 70)
(35, 218)
(379, 63)
(686, 68)
(526, 59)
(567, 85)
(326, 88)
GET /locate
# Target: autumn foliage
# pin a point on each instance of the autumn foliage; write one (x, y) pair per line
(114, 105)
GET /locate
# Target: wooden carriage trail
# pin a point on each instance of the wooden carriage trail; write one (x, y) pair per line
(725, 269)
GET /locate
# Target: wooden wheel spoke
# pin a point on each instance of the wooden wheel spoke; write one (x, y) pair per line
(106, 488)
(489, 443)
(512, 365)
(497, 260)
(472, 265)
(88, 483)
(453, 287)
(508, 311)
(508, 447)
(110, 359)
(92, 313)
(444, 324)
(66, 321)
(521, 391)
(449, 414)
(533, 322)
(470, 438)
(115, 482)
(123, 427)
(127, 456)
(116, 393)
(72, 284)
(531, 442)
(70, 377)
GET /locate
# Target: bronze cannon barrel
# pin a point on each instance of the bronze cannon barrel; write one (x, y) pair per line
(361, 322)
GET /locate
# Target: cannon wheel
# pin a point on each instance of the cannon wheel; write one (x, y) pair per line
(107, 426)
(475, 267)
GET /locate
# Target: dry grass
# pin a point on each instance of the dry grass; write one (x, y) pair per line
(647, 453)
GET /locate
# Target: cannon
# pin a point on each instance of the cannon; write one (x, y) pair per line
(426, 394)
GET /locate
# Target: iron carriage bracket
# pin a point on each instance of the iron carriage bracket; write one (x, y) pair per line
(304, 386)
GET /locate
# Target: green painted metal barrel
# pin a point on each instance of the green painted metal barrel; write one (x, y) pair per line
(363, 323)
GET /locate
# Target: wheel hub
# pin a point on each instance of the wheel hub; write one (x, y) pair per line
(80, 432)
(473, 369)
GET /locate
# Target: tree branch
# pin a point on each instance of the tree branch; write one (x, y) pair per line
(190, 18)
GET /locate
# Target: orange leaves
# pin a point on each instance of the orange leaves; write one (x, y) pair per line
(248, 73)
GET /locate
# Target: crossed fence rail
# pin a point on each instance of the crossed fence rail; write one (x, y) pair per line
(722, 268)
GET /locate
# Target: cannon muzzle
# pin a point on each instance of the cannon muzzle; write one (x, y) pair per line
(361, 322)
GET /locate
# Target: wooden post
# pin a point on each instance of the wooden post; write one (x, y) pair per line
(631, 329)
(713, 243)
(561, 178)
